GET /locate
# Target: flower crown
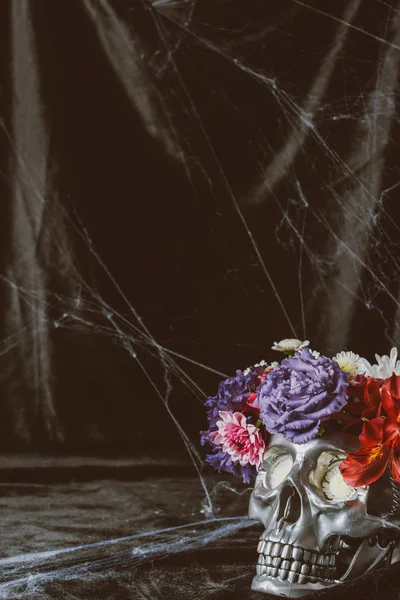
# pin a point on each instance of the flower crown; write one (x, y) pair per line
(299, 398)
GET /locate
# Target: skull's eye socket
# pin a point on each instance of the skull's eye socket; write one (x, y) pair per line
(328, 480)
(277, 464)
(280, 470)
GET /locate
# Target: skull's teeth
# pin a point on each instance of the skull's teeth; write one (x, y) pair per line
(293, 577)
(261, 546)
(276, 549)
(293, 563)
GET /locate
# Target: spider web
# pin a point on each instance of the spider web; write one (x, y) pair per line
(288, 142)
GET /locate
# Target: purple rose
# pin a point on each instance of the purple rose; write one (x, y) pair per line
(300, 394)
(233, 394)
(221, 461)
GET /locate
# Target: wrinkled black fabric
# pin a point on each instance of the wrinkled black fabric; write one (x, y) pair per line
(94, 522)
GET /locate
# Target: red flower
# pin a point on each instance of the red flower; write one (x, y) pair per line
(372, 399)
(253, 396)
(391, 395)
(365, 402)
(380, 444)
(251, 411)
(357, 386)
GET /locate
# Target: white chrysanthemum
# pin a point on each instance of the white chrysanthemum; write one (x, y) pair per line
(289, 345)
(385, 367)
(272, 366)
(335, 488)
(349, 362)
(262, 363)
(315, 353)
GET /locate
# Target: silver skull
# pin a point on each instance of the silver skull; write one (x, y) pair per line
(318, 531)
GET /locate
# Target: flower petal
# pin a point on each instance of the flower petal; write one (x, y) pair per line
(391, 394)
(391, 430)
(372, 432)
(395, 463)
(372, 399)
(302, 436)
(365, 466)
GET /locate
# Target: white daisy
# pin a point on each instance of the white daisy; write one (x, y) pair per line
(262, 363)
(289, 345)
(349, 362)
(272, 366)
(335, 488)
(387, 365)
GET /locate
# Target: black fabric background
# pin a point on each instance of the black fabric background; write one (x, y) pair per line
(174, 141)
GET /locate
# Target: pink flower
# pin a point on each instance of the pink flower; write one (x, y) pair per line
(241, 440)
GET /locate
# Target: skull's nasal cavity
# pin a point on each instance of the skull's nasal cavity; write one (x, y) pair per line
(289, 504)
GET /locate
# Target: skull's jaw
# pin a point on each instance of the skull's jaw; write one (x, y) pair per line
(287, 589)
(292, 571)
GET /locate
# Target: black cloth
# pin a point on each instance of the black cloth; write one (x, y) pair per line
(106, 530)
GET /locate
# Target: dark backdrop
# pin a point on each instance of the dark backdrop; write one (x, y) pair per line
(183, 183)
(233, 165)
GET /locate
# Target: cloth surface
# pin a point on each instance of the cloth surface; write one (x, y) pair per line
(133, 538)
